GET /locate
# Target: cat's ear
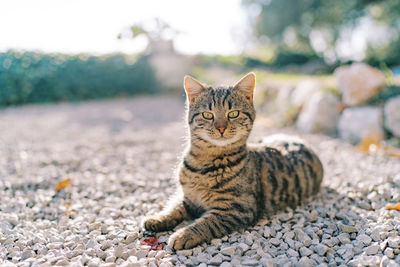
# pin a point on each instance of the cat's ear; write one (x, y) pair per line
(192, 87)
(246, 85)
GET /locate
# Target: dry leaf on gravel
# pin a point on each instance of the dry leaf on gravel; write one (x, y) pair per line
(63, 184)
(370, 143)
(393, 207)
(394, 152)
(373, 142)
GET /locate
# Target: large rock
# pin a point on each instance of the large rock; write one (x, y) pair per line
(286, 111)
(392, 116)
(320, 114)
(290, 101)
(360, 122)
(303, 91)
(359, 82)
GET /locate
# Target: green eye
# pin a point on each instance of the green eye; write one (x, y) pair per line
(233, 114)
(208, 115)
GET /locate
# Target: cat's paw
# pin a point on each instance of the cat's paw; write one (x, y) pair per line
(155, 223)
(185, 239)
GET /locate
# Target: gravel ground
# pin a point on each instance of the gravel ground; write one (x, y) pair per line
(120, 156)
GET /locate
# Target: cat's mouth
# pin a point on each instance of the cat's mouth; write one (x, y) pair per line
(221, 140)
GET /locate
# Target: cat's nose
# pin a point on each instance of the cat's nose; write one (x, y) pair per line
(221, 129)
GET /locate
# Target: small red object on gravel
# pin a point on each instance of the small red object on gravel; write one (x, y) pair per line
(153, 243)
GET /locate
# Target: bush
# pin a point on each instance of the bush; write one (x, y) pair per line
(33, 77)
(284, 58)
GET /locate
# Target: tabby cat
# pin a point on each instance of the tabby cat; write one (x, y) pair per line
(226, 184)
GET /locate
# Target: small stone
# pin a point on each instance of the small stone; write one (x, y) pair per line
(389, 252)
(304, 262)
(275, 241)
(55, 245)
(292, 252)
(92, 244)
(312, 216)
(344, 238)
(250, 262)
(331, 242)
(100, 253)
(111, 258)
(288, 235)
(185, 253)
(130, 238)
(321, 249)
(226, 264)
(366, 240)
(228, 251)
(121, 252)
(268, 262)
(375, 235)
(160, 254)
(141, 253)
(305, 251)
(152, 254)
(372, 250)
(394, 242)
(349, 228)
(383, 245)
(202, 257)
(106, 244)
(216, 260)
(26, 254)
(243, 247)
(93, 262)
(64, 262)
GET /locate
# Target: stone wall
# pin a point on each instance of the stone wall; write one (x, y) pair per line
(345, 111)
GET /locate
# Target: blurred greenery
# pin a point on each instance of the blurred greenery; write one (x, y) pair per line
(31, 77)
(389, 92)
(291, 25)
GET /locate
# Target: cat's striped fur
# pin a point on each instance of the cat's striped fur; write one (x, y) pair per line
(226, 184)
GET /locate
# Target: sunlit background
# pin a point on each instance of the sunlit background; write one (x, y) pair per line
(70, 50)
(64, 26)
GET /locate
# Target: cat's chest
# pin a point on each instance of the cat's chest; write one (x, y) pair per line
(200, 188)
(205, 177)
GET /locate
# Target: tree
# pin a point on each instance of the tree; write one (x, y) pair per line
(154, 30)
(319, 26)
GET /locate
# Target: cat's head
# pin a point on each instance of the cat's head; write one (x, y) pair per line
(220, 116)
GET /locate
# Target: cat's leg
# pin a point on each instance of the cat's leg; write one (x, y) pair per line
(212, 224)
(167, 219)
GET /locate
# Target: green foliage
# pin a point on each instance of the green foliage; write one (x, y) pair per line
(32, 77)
(287, 57)
(383, 96)
(289, 24)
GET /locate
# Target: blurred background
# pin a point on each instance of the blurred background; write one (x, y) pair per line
(323, 66)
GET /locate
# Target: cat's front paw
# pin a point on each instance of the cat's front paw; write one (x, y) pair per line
(155, 223)
(185, 239)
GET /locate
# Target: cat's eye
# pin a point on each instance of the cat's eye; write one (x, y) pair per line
(208, 115)
(233, 114)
